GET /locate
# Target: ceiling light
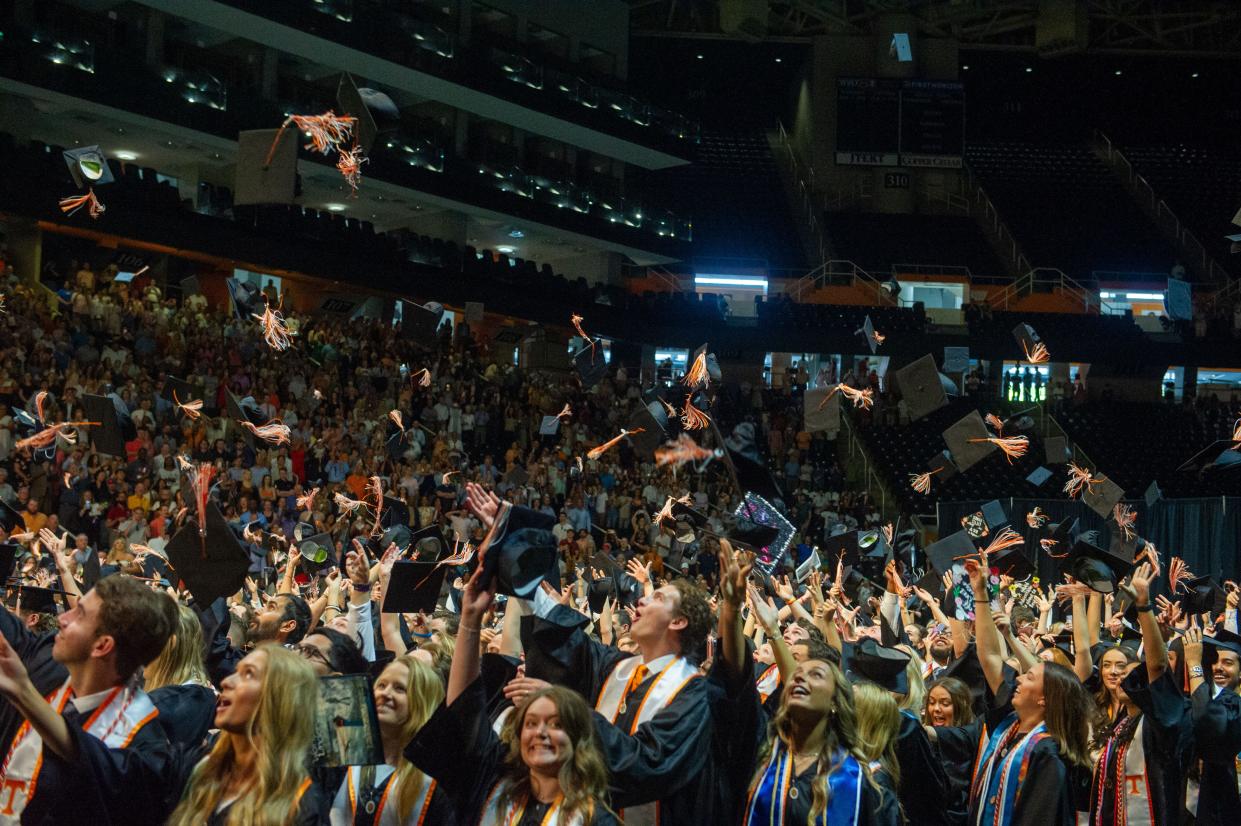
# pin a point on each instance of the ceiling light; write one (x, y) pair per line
(1195, 74)
(965, 68)
(505, 249)
(700, 57)
(516, 234)
(779, 60)
(335, 207)
(125, 155)
(1118, 73)
(1029, 69)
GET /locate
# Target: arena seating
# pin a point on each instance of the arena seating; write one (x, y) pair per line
(1106, 335)
(1067, 209)
(879, 242)
(781, 311)
(1200, 184)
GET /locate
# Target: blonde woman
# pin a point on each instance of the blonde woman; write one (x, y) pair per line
(255, 774)
(878, 726)
(396, 793)
(546, 767)
(177, 682)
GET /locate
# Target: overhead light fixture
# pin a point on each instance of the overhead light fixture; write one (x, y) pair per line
(965, 68)
(1118, 73)
(516, 234)
(700, 57)
(749, 282)
(505, 249)
(125, 155)
(779, 60)
(1029, 69)
(335, 207)
(1195, 74)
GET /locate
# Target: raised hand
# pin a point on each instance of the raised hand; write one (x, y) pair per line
(640, 572)
(1193, 647)
(482, 503)
(475, 600)
(1139, 585)
(733, 574)
(764, 611)
(13, 677)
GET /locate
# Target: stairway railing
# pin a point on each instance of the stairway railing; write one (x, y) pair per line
(840, 273)
(984, 211)
(804, 181)
(1048, 279)
(1190, 248)
(871, 479)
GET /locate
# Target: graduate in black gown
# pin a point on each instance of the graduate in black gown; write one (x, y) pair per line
(1215, 710)
(1033, 768)
(802, 765)
(1139, 773)
(177, 683)
(518, 778)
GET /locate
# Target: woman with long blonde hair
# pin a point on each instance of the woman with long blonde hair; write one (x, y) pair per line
(178, 684)
(406, 695)
(808, 767)
(878, 727)
(546, 767)
(255, 774)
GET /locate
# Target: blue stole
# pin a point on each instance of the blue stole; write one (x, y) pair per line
(1004, 776)
(844, 791)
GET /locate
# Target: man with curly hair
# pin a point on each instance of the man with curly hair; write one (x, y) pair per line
(654, 710)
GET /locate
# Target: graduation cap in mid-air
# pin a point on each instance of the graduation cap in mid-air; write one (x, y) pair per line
(590, 365)
(519, 551)
(364, 104)
(115, 424)
(266, 167)
(179, 391)
(420, 322)
(921, 388)
(213, 565)
(248, 299)
(1027, 339)
(1056, 450)
(318, 553)
(1203, 595)
(760, 526)
(243, 409)
(656, 426)
(1093, 566)
(748, 466)
(11, 518)
(951, 550)
(1102, 496)
(966, 439)
(428, 543)
(1217, 456)
(88, 166)
(414, 585)
(867, 331)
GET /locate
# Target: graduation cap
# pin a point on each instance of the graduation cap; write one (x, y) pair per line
(266, 167)
(808, 566)
(1013, 562)
(1093, 566)
(714, 373)
(88, 166)
(1026, 338)
(414, 585)
(11, 519)
(1102, 496)
(950, 386)
(1038, 476)
(1224, 640)
(1062, 534)
(40, 600)
(395, 512)
(183, 390)
(211, 566)
(967, 453)
(921, 387)
(247, 298)
(842, 548)
(1056, 450)
(871, 662)
(1219, 455)
(656, 425)
(1204, 596)
(873, 545)
(549, 426)
(420, 322)
(243, 410)
(353, 104)
(598, 591)
(395, 441)
(761, 527)
(519, 551)
(867, 331)
(941, 465)
(1153, 494)
(428, 542)
(318, 553)
(932, 582)
(950, 550)
(751, 471)
(590, 365)
(994, 516)
(115, 425)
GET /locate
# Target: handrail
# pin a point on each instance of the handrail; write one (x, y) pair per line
(989, 216)
(805, 186)
(1057, 281)
(931, 269)
(869, 476)
(1159, 210)
(840, 272)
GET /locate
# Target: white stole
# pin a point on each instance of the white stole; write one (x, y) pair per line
(1139, 808)
(115, 721)
(385, 813)
(511, 816)
(768, 683)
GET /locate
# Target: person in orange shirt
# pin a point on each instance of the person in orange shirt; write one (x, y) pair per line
(34, 518)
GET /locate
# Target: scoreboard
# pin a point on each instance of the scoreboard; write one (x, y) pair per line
(888, 122)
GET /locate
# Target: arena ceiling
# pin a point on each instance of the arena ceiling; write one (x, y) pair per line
(1207, 28)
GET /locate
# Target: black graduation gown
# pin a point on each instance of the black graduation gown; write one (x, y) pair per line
(186, 712)
(675, 758)
(746, 721)
(458, 748)
(926, 795)
(1217, 742)
(310, 811)
(46, 674)
(1165, 734)
(1052, 791)
(956, 748)
(220, 655)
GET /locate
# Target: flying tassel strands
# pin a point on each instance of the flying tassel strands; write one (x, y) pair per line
(192, 408)
(1038, 355)
(274, 432)
(326, 132)
(346, 504)
(1125, 520)
(692, 418)
(1049, 545)
(422, 378)
(1014, 447)
(596, 452)
(994, 422)
(304, 503)
(275, 329)
(683, 450)
(73, 203)
(921, 482)
(1079, 478)
(566, 413)
(1036, 518)
(349, 165)
(697, 374)
(860, 398)
(1178, 574)
(375, 487)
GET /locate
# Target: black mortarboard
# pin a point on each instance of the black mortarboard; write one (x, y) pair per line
(1056, 450)
(713, 366)
(1062, 534)
(1121, 546)
(1093, 566)
(655, 423)
(873, 545)
(1102, 496)
(11, 518)
(352, 104)
(265, 175)
(871, 662)
(1218, 455)
(590, 365)
(395, 512)
(549, 426)
(1038, 476)
(951, 550)
(88, 166)
(756, 519)
(420, 322)
(842, 548)
(318, 552)
(867, 331)
(751, 471)
(414, 586)
(519, 551)
(40, 600)
(108, 436)
(1204, 595)
(1153, 494)
(428, 542)
(967, 453)
(243, 410)
(247, 298)
(941, 464)
(598, 591)
(395, 442)
(932, 582)
(1223, 639)
(951, 390)
(921, 388)
(808, 566)
(1026, 338)
(184, 390)
(994, 515)
(213, 566)
(1013, 562)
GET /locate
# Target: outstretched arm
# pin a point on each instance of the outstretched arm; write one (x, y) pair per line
(988, 636)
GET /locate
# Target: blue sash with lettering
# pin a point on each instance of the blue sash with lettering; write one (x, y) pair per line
(998, 780)
(844, 791)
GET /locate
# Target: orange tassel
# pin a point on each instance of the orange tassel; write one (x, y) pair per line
(566, 413)
(1036, 518)
(350, 166)
(1003, 540)
(697, 374)
(596, 452)
(921, 482)
(672, 411)
(397, 419)
(889, 531)
(685, 449)
(73, 203)
(326, 132)
(1038, 355)
(40, 399)
(860, 398)
(274, 432)
(375, 487)
(1049, 545)
(346, 504)
(422, 378)
(878, 337)
(994, 422)
(199, 479)
(47, 435)
(1125, 520)
(693, 418)
(192, 409)
(304, 503)
(275, 329)
(1079, 478)
(1178, 574)
(1013, 446)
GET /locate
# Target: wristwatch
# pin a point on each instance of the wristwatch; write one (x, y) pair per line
(1195, 671)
